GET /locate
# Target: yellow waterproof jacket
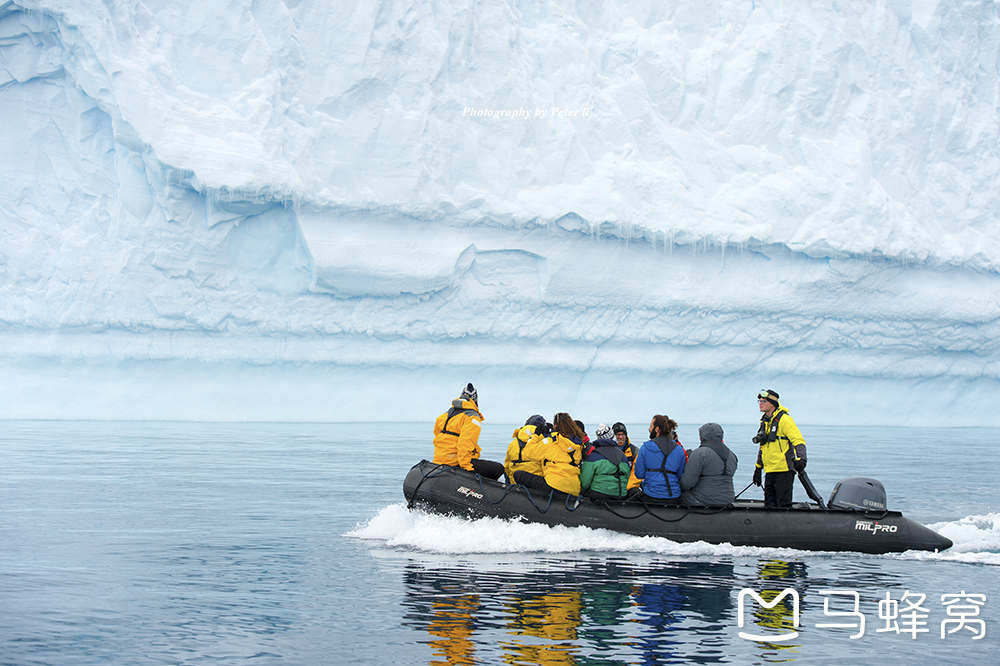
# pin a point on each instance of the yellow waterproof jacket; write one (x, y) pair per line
(783, 444)
(456, 435)
(525, 452)
(631, 450)
(561, 464)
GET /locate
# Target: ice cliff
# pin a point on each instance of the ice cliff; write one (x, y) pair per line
(345, 211)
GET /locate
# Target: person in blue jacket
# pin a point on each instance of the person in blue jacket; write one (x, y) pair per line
(661, 461)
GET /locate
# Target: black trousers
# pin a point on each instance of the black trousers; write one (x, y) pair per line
(659, 501)
(596, 496)
(778, 489)
(532, 481)
(488, 468)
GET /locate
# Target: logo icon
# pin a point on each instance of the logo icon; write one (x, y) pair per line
(874, 527)
(468, 492)
(745, 592)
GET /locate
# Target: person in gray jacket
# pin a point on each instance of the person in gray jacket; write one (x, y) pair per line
(708, 477)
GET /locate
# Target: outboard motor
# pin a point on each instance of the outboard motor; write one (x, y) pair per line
(858, 493)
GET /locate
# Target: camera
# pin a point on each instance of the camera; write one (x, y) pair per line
(759, 438)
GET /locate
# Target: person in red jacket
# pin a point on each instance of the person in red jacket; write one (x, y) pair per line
(456, 436)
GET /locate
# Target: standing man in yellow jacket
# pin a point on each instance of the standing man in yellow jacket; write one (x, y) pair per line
(456, 436)
(782, 451)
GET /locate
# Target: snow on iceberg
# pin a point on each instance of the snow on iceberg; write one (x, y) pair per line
(207, 201)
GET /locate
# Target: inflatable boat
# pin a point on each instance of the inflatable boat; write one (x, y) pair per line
(855, 520)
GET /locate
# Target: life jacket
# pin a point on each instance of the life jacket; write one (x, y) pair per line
(723, 451)
(616, 455)
(458, 444)
(455, 410)
(524, 438)
(725, 458)
(521, 443)
(613, 454)
(779, 449)
(630, 450)
(772, 432)
(666, 448)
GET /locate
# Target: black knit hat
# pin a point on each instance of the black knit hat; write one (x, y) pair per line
(619, 427)
(769, 395)
(536, 420)
(470, 393)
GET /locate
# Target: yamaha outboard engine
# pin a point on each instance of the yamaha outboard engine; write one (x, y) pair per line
(859, 493)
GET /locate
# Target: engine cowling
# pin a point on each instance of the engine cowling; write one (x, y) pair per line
(859, 493)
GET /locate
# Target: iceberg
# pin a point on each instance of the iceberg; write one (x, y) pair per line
(296, 211)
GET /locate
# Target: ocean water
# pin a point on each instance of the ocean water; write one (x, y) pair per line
(183, 543)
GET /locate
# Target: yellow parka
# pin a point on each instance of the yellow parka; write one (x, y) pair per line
(561, 464)
(782, 446)
(525, 452)
(456, 435)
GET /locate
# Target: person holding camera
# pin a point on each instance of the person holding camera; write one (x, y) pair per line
(560, 452)
(782, 451)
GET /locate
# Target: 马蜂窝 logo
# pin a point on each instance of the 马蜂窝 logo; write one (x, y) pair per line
(770, 605)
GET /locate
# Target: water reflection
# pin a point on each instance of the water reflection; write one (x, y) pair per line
(451, 623)
(610, 611)
(779, 615)
(554, 617)
(573, 613)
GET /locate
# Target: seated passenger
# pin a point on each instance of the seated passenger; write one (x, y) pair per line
(456, 437)
(708, 476)
(660, 462)
(522, 452)
(560, 459)
(605, 470)
(629, 449)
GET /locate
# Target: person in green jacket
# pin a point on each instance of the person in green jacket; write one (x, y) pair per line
(604, 471)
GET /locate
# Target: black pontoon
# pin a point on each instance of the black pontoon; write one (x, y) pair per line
(454, 491)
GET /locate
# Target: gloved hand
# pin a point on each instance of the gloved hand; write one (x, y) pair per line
(800, 464)
(756, 477)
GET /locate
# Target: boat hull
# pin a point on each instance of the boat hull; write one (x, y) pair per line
(454, 491)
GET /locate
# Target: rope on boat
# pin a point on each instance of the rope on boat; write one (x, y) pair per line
(578, 502)
(438, 470)
(526, 492)
(646, 508)
(424, 477)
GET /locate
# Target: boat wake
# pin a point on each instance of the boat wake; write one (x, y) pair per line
(976, 538)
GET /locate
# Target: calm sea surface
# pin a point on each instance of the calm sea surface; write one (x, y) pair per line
(184, 543)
